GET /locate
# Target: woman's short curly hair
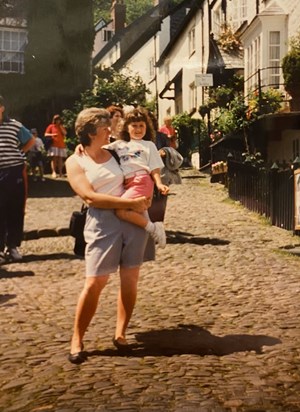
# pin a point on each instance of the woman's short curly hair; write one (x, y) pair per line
(87, 122)
(138, 115)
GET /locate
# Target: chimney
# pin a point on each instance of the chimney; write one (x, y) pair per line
(118, 15)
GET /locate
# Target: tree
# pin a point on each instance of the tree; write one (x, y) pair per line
(110, 87)
(134, 9)
(57, 58)
(291, 72)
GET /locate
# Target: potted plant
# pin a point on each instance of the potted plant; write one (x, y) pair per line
(291, 72)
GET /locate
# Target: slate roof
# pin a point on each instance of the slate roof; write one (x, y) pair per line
(134, 36)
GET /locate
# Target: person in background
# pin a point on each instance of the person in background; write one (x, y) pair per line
(15, 141)
(116, 116)
(35, 157)
(112, 244)
(158, 207)
(161, 139)
(169, 130)
(57, 150)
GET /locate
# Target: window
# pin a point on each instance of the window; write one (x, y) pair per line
(274, 59)
(218, 20)
(151, 67)
(192, 96)
(167, 71)
(192, 41)
(107, 35)
(238, 13)
(253, 64)
(12, 47)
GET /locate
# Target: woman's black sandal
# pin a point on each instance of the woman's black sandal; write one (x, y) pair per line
(77, 358)
(122, 347)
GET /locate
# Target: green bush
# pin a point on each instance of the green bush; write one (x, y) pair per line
(291, 67)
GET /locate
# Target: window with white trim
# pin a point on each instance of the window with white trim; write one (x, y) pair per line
(167, 71)
(192, 40)
(238, 13)
(12, 48)
(192, 96)
(218, 21)
(274, 59)
(151, 67)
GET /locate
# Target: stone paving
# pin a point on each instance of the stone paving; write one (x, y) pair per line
(216, 326)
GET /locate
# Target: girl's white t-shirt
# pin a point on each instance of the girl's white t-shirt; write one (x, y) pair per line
(137, 155)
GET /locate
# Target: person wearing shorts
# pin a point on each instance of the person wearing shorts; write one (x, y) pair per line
(112, 244)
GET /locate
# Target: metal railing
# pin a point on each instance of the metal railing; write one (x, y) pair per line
(267, 191)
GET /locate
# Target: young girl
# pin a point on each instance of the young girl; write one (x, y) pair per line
(141, 163)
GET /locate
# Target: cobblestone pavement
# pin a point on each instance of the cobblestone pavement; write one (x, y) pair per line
(216, 326)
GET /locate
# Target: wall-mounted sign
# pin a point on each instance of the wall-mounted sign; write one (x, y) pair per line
(204, 80)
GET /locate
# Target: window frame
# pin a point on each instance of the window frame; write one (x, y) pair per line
(13, 42)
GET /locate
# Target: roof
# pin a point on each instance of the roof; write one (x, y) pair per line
(272, 10)
(194, 6)
(220, 59)
(134, 36)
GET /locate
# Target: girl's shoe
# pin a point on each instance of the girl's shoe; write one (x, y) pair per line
(159, 234)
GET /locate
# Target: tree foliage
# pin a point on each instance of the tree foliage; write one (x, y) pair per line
(134, 9)
(57, 59)
(291, 67)
(110, 87)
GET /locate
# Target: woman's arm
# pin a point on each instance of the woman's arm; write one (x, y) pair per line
(28, 144)
(84, 189)
(63, 130)
(49, 131)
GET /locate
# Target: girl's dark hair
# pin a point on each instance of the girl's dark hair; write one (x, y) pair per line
(138, 115)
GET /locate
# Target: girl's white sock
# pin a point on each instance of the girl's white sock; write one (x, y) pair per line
(150, 227)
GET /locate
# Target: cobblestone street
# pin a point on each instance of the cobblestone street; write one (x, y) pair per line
(216, 326)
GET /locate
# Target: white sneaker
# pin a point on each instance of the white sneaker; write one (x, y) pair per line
(13, 255)
(159, 234)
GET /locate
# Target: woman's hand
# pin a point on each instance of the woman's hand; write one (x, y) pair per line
(79, 150)
(140, 204)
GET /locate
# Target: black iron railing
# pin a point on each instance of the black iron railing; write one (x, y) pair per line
(269, 192)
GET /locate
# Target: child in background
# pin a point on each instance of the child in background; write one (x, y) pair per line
(35, 157)
(141, 164)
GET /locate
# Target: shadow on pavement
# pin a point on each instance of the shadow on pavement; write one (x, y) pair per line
(49, 188)
(194, 177)
(4, 274)
(185, 237)
(190, 340)
(50, 256)
(6, 297)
